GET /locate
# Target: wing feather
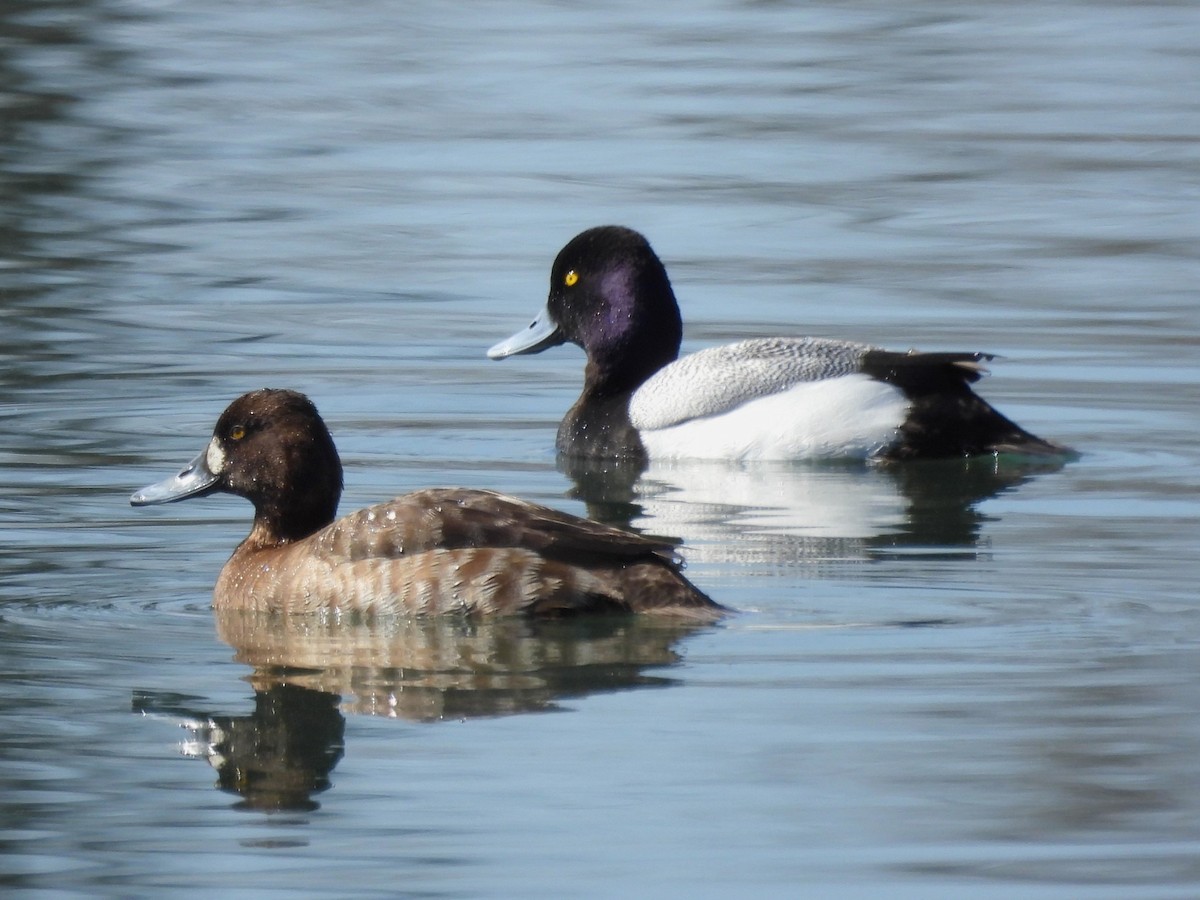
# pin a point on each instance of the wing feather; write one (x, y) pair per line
(453, 518)
(714, 381)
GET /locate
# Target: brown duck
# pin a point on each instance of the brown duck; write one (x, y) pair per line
(432, 552)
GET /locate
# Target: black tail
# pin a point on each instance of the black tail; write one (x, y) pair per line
(947, 418)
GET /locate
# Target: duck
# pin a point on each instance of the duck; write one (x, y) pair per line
(432, 552)
(779, 398)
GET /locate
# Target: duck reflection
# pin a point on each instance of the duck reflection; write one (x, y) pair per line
(274, 759)
(802, 514)
(307, 673)
(428, 669)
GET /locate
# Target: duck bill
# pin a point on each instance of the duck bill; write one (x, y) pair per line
(543, 332)
(195, 480)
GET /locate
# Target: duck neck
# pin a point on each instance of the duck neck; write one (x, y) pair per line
(622, 368)
(308, 509)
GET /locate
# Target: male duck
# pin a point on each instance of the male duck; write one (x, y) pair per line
(448, 550)
(773, 398)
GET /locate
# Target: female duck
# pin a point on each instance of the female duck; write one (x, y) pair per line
(774, 398)
(434, 551)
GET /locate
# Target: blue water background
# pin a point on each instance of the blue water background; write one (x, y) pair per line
(941, 683)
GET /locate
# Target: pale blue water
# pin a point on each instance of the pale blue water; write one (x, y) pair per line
(943, 682)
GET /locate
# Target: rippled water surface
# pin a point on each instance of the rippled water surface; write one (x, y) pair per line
(944, 680)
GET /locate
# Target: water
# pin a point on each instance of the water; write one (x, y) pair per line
(944, 681)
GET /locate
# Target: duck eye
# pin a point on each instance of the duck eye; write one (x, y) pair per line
(570, 278)
(237, 432)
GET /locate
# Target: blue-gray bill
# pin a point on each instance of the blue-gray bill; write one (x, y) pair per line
(542, 333)
(195, 480)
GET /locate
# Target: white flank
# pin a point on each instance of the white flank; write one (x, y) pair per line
(852, 416)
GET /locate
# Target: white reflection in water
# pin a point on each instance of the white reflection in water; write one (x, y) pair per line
(819, 517)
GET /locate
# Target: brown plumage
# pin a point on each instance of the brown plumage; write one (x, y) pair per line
(436, 551)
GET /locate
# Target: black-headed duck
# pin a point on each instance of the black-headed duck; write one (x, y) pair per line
(771, 398)
(447, 550)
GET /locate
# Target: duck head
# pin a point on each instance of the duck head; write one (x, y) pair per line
(609, 293)
(271, 447)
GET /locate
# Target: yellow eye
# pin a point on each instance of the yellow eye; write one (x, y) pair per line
(237, 432)
(570, 278)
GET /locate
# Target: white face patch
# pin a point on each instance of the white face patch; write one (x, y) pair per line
(215, 457)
